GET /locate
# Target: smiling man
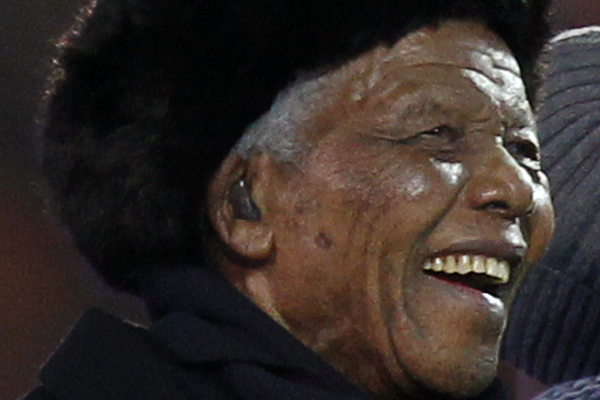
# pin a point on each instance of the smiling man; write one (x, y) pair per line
(315, 200)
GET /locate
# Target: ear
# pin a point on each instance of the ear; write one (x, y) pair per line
(235, 206)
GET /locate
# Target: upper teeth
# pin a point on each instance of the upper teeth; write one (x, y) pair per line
(465, 264)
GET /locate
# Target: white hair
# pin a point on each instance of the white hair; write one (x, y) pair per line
(276, 131)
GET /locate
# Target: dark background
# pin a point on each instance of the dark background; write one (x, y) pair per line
(45, 285)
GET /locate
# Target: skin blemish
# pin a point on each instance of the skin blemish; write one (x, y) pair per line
(323, 241)
(450, 172)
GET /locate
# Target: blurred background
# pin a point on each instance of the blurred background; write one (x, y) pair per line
(45, 284)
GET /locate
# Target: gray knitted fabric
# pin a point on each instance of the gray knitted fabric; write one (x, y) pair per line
(554, 326)
(582, 389)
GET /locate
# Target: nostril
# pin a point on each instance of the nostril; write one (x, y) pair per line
(503, 190)
(495, 205)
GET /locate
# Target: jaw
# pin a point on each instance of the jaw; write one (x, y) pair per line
(444, 336)
(436, 337)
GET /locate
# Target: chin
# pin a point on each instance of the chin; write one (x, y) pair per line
(439, 369)
(471, 385)
(462, 379)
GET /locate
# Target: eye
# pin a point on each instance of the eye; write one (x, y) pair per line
(526, 153)
(443, 131)
(440, 142)
(441, 138)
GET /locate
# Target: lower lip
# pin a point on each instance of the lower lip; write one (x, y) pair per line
(481, 313)
(488, 298)
(453, 282)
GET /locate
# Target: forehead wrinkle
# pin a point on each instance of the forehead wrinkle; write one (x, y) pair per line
(517, 118)
(437, 105)
(446, 102)
(509, 100)
(493, 66)
(500, 60)
(479, 72)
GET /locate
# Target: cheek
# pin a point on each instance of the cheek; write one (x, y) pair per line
(451, 173)
(419, 176)
(408, 184)
(392, 183)
(323, 241)
(377, 198)
(419, 192)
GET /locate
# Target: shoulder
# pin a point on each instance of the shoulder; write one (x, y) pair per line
(104, 357)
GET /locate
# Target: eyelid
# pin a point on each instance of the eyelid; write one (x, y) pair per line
(442, 132)
(437, 130)
(528, 148)
(526, 153)
(524, 134)
(447, 131)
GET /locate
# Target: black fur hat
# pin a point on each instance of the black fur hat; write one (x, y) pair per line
(149, 96)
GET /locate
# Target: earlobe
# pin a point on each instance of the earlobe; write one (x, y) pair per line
(250, 239)
(234, 211)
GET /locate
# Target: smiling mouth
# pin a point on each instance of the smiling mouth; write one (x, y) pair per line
(477, 271)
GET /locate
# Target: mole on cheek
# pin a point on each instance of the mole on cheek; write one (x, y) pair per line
(323, 241)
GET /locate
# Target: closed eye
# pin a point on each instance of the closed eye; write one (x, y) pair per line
(441, 138)
(444, 131)
(440, 141)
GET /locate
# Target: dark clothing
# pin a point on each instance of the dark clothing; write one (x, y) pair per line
(553, 326)
(207, 341)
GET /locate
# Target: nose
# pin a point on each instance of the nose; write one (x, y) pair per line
(501, 186)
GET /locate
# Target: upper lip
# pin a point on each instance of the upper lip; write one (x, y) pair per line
(514, 255)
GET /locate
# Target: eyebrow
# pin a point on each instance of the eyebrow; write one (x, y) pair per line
(512, 120)
(420, 108)
(518, 120)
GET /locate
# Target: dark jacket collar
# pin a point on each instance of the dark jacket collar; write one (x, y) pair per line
(199, 319)
(200, 322)
(195, 308)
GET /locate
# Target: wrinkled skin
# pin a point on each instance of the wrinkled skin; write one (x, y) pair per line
(378, 191)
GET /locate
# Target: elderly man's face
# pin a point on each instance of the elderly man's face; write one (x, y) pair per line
(403, 231)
